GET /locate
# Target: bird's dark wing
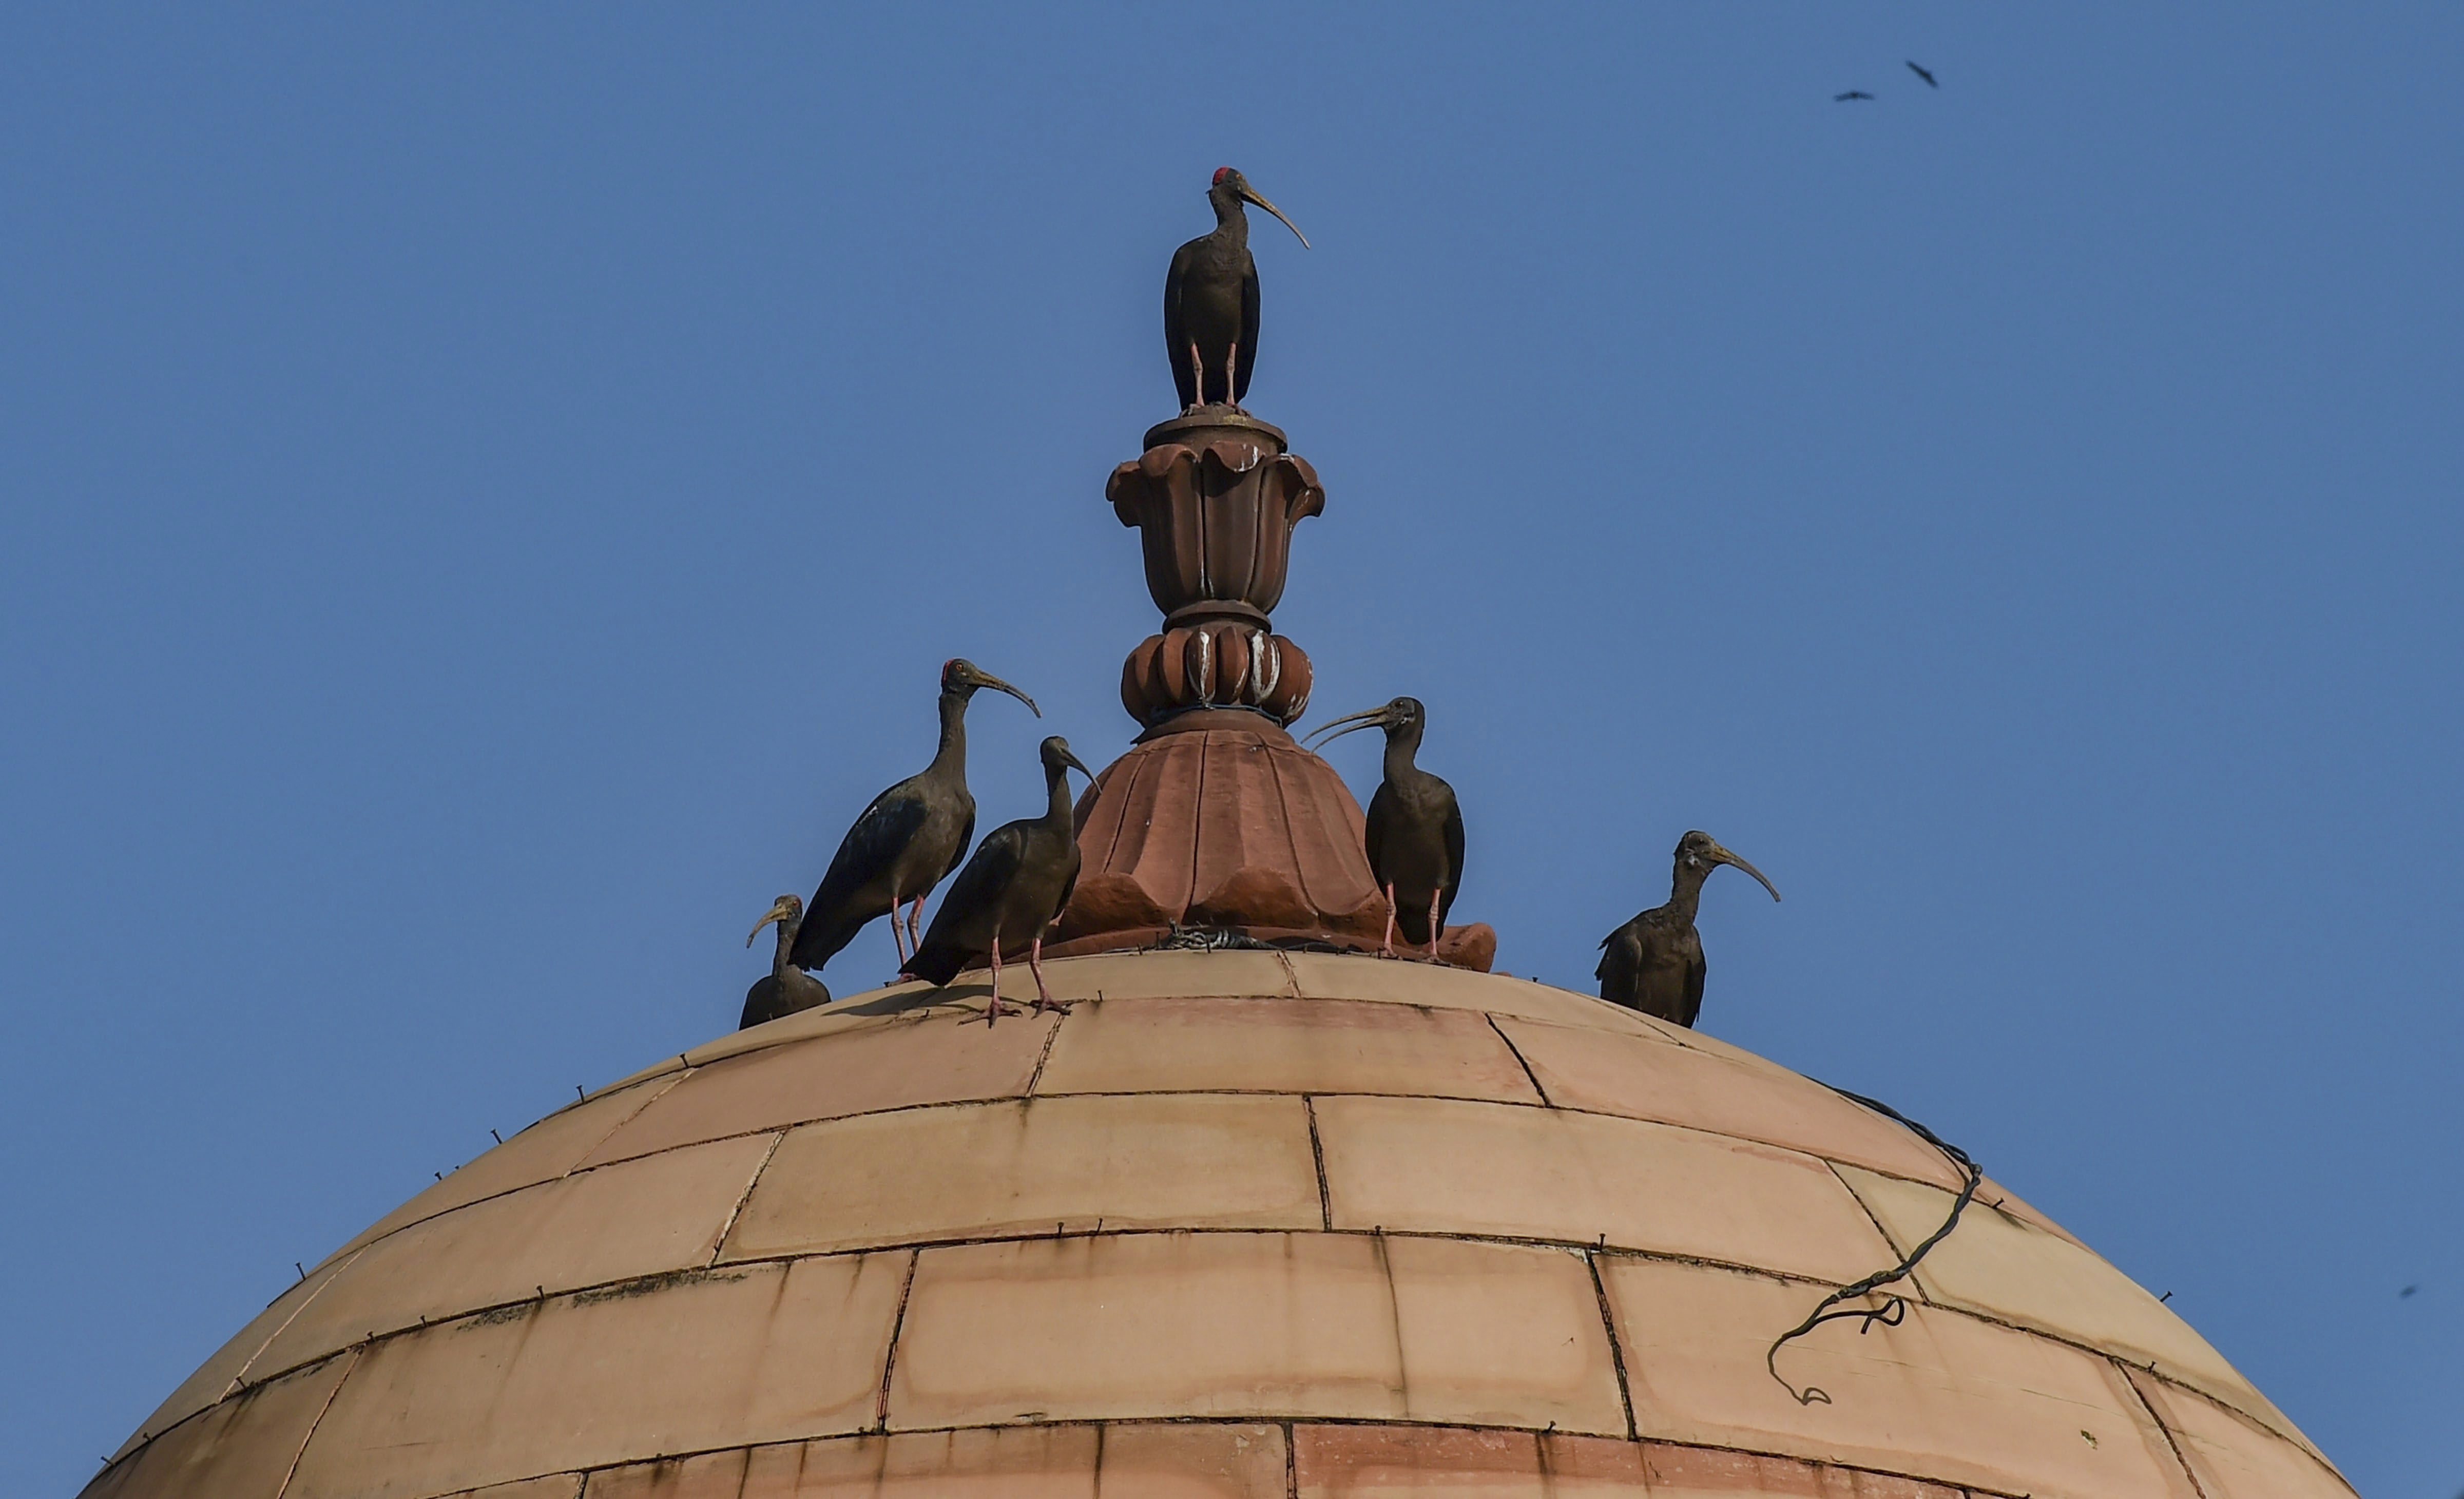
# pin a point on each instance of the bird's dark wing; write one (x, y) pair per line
(1621, 952)
(768, 999)
(1381, 807)
(760, 1002)
(1693, 1003)
(966, 836)
(1454, 862)
(1854, 92)
(1249, 357)
(1068, 887)
(1176, 332)
(962, 928)
(1925, 74)
(839, 907)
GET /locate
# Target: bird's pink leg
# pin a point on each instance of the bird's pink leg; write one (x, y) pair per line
(1232, 377)
(906, 954)
(1197, 376)
(1388, 946)
(1433, 926)
(915, 914)
(993, 1009)
(1043, 1000)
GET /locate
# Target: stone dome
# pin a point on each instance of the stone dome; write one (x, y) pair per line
(1238, 1223)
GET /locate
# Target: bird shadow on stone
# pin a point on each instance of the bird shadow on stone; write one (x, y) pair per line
(909, 999)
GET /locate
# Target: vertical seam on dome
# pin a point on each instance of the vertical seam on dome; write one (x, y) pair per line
(1517, 1054)
(1290, 826)
(719, 1246)
(1317, 1152)
(609, 1132)
(309, 1435)
(239, 1381)
(1617, 1350)
(2170, 1441)
(1050, 1038)
(1394, 1318)
(890, 1356)
(1197, 832)
(1889, 1241)
(1291, 1462)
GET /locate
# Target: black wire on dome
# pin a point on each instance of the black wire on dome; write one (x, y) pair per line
(1895, 1307)
(1178, 938)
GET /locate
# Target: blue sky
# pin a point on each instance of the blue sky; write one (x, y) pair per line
(484, 494)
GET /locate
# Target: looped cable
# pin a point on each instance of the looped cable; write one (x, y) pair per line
(1895, 1307)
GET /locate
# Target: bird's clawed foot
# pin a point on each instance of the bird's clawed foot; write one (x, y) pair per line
(1043, 1001)
(992, 1001)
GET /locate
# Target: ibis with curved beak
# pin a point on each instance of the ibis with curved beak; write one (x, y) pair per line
(1014, 886)
(907, 840)
(1654, 963)
(1415, 828)
(786, 988)
(1210, 299)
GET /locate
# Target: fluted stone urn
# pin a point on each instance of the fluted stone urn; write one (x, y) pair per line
(1214, 498)
(1217, 820)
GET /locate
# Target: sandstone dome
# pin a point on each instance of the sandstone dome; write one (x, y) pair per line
(1238, 1223)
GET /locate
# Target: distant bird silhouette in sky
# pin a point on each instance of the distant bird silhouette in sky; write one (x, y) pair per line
(1854, 92)
(2406, 1291)
(1923, 73)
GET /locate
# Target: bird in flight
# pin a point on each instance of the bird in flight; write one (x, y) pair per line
(2406, 1291)
(1923, 73)
(1854, 92)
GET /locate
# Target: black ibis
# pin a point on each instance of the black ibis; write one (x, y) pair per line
(1854, 92)
(787, 989)
(1416, 830)
(1654, 963)
(1924, 74)
(1014, 886)
(907, 841)
(1210, 299)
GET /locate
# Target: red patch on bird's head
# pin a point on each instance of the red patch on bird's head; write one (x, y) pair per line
(1221, 172)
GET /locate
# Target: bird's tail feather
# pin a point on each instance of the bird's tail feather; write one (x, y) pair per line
(817, 943)
(937, 964)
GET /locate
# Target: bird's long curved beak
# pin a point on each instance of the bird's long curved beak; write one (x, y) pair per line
(1349, 723)
(1076, 765)
(1258, 198)
(987, 679)
(780, 911)
(1723, 857)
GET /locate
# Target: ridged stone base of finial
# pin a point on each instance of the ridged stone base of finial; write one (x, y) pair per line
(1226, 825)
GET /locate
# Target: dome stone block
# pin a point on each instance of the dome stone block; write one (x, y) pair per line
(1236, 1225)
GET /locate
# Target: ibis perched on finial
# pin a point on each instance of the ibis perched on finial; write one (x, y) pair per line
(1210, 299)
(907, 841)
(786, 988)
(1416, 829)
(1654, 963)
(1014, 886)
